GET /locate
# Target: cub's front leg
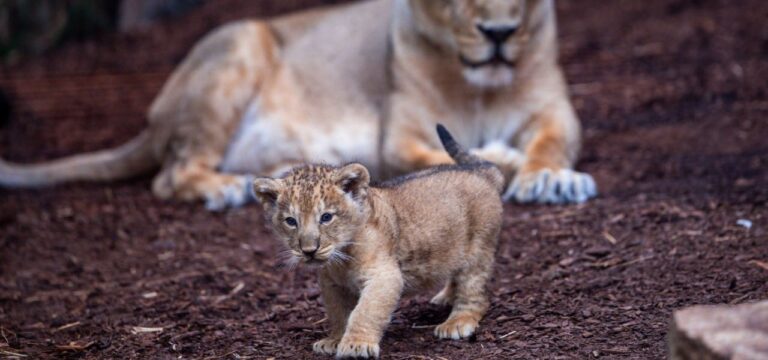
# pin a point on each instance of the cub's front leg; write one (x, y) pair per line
(339, 302)
(378, 299)
(547, 174)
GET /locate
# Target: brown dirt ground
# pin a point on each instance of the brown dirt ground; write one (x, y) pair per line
(674, 100)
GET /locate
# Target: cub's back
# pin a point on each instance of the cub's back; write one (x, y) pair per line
(442, 216)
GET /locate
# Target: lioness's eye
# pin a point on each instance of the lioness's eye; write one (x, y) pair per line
(325, 218)
(291, 222)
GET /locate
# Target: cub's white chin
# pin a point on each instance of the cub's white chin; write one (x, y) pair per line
(490, 76)
(314, 262)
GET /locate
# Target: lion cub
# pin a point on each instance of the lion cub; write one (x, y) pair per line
(434, 227)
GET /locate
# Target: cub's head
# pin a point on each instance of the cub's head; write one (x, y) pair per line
(316, 209)
(489, 37)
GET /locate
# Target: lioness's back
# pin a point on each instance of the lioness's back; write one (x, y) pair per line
(344, 49)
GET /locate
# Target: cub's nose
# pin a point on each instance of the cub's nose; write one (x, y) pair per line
(497, 33)
(309, 252)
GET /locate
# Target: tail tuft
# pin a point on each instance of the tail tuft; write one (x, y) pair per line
(453, 148)
(463, 157)
(449, 143)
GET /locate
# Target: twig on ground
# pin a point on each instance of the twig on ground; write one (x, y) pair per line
(507, 334)
(414, 326)
(142, 329)
(220, 356)
(610, 238)
(12, 354)
(75, 346)
(2, 333)
(739, 299)
(67, 326)
(761, 264)
(618, 263)
(638, 260)
(320, 321)
(185, 335)
(239, 287)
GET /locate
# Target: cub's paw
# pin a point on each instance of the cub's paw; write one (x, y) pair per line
(444, 297)
(356, 348)
(549, 186)
(234, 193)
(457, 327)
(325, 346)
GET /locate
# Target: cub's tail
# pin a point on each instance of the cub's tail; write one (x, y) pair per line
(131, 159)
(453, 148)
(463, 157)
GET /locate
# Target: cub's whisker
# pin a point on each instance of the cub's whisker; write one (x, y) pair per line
(287, 259)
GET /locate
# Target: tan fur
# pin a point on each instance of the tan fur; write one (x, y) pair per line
(431, 228)
(258, 97)
(531, 113)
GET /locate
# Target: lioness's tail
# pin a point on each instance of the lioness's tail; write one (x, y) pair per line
(133, 158)
(463, 157)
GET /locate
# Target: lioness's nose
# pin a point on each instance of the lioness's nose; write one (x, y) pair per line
(497, 33)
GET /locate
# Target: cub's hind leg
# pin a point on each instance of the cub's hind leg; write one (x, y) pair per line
(470, 298)
(200, 107)
(469, 304)
(468, 285)
(446, 295)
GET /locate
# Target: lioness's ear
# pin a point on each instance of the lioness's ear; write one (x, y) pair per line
(353, 179)
(265, 190)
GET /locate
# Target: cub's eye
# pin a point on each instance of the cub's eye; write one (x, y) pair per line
(326, 218)
(291, 222)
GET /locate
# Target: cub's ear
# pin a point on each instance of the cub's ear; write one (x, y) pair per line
(265, 190)
(353, 179)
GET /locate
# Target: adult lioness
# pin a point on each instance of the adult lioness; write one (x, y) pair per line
(258, 97)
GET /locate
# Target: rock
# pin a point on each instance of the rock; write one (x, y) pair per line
(720, 332)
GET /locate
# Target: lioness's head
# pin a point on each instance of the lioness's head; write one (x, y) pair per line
(489, 37)
(316, 209)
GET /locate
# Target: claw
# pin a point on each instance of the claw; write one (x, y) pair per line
(552, 187)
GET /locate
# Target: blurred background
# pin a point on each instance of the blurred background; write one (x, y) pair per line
(72, 66)
(33, 26)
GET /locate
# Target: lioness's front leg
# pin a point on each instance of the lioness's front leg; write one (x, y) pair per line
(547, 174)
(378, 299)
(410, 142)
(339, 302)
(410, 153)
(196, 178)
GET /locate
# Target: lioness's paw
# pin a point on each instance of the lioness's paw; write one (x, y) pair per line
(355, 348)
(325, 346)
(232, 194)
(551, 187)
(457, 327)
(500, 154)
